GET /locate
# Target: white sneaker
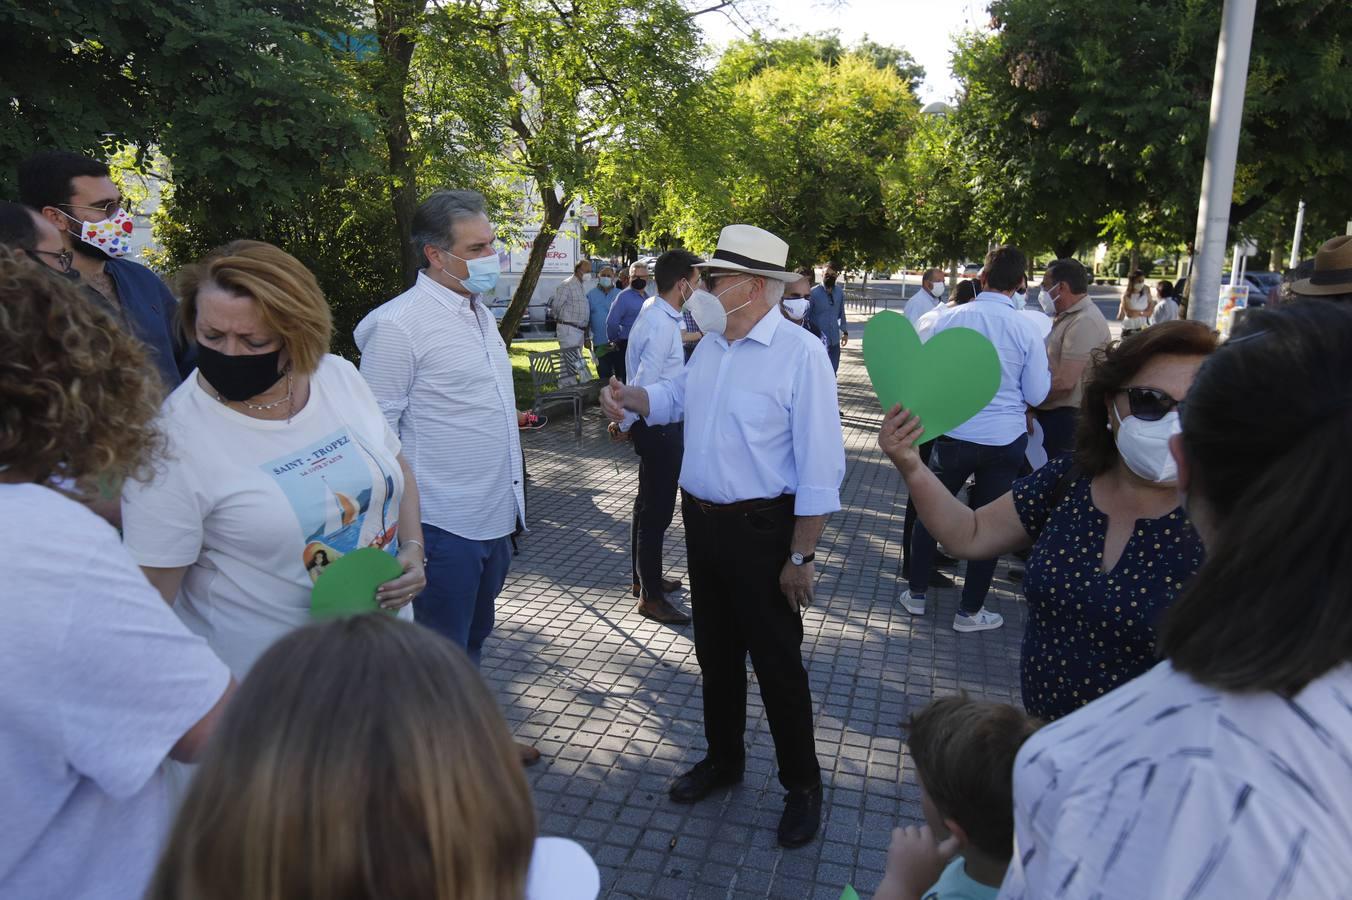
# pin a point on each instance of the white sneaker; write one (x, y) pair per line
(914, 605)
(982, 620)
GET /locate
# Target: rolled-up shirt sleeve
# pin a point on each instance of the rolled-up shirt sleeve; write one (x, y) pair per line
(388, 365)
(1036, 380)
(666, 400)
(818, 445)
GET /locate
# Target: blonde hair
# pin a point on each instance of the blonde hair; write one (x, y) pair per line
(78, 394)
(288, 296)
(361, 758)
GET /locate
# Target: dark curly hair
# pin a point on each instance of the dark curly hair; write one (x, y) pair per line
(78, 394)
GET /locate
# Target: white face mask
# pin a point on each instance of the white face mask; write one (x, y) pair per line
(937, 290)
(708, 312)
(796, 307)
(1048, 302)
(1145, 445)
(1020, 298)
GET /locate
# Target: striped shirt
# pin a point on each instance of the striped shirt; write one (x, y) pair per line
(440, 372)
(1168, 788)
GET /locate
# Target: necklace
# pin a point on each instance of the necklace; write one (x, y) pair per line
(266, 406)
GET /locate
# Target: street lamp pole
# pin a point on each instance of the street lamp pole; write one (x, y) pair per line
(1295, 240)
(1222, 150)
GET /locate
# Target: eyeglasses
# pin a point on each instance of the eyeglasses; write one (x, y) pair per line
(64, 258)
(108, 209)
(1149, 404)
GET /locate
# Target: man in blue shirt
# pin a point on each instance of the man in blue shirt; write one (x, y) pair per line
(827, 312)
(76, 194)
(599, 299)
(991, 444)
(623, 313)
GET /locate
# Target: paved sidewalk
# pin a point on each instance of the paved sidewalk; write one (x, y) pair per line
(613, 700)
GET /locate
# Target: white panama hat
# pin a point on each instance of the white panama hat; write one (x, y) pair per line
(755, 251)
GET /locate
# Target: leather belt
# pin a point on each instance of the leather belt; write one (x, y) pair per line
(741, 506)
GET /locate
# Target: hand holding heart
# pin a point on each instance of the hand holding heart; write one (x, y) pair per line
(897, 439)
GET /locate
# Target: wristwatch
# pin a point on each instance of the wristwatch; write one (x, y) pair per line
(799, 559)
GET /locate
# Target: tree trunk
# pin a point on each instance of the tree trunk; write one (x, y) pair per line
(1135, 262)
(1275, 254)
(554, 213)
(396, 30)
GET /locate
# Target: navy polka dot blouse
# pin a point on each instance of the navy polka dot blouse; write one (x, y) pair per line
(1090, 631)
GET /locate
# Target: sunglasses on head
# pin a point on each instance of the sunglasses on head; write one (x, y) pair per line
(1149, 404)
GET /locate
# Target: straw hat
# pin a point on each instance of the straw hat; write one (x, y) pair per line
(1332, 270)
(755, 251)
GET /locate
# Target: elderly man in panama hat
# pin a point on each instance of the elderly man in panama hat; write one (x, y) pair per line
(764, 459)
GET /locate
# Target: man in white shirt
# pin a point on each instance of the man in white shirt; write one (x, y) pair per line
(571, 312)
(655, 353)
(991, 444)
(1166, 310)
(927, 298)
(440, 372)
(762, 471)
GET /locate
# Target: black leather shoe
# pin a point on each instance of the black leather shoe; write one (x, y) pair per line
(802, 816)
(705, 778)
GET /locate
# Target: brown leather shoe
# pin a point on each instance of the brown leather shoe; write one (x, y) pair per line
(529, 755)
(661, 610)
(669, 586)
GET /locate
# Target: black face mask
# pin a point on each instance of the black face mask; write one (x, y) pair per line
(239, 377)
(638, 284)
(829, 281)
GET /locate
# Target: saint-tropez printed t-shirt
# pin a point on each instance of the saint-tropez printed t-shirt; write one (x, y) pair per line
(257, 509)
(100, 682)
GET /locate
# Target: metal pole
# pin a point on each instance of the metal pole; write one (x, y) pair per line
(1234, 268)
(1222, 148)
(1295, 239)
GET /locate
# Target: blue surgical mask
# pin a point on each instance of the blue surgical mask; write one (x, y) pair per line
(483, 273)
(604, 282)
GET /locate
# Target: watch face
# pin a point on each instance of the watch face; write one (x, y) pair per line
(797, 559)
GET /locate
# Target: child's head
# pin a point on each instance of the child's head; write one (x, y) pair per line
(360, 758)
(964, 753)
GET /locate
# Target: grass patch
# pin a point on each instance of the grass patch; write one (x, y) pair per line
(525, 389)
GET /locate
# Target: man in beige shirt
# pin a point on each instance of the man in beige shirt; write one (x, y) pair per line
(1077, 331)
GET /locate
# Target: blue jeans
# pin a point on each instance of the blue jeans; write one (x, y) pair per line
(954, 461)
(464, 578)
(1058, 430)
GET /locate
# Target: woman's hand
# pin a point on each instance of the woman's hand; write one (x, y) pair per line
(399, 592)
(897, 439)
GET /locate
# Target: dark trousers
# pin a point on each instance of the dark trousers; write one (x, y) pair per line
(908, 525)
(659, 449)
(834, 353)
(605, 366)
(954, 461)
(738, 609)
(1058, 430)
(464, 578)
(615, 360)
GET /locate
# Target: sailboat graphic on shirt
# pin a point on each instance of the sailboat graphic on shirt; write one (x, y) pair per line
(343, 497)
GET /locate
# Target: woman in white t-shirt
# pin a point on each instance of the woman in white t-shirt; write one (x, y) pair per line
(1137, 305)
(1226, 770)
(102, 683)
(365, 758)
(280, 462)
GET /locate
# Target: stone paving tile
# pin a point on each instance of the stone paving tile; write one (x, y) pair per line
(613, 700)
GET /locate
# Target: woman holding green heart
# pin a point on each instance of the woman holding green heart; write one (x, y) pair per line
(1111, 547)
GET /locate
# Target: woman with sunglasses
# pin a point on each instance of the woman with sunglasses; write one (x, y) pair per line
(1111, 547)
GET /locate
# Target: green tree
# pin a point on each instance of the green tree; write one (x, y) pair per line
(1090, 117)
(744, 59)
(932, 188)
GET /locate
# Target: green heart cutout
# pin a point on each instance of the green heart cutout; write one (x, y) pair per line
(946, 380)
(348, 586)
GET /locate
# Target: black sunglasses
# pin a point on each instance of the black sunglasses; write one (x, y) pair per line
(1149, 404)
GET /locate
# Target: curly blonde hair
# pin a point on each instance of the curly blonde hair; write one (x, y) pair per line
(78, 394)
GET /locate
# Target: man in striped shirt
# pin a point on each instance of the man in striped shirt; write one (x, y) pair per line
(439, 370)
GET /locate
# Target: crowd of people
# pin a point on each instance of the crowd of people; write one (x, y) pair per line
(180, 467)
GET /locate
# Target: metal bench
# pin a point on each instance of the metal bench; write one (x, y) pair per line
(547, 369)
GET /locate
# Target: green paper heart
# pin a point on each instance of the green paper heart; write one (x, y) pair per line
(348, 586)
(946, 380)
(849, 893)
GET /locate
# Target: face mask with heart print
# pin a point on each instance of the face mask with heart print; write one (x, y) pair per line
(112, 235)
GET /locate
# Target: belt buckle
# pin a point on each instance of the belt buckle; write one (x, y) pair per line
(704, 506)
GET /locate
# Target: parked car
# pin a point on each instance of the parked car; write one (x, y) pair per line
(1260, 285)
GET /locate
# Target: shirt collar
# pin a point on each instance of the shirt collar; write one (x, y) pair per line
(666, 308)
(764, 331)
(441, 292)
(996, 297)
(1080, 306)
